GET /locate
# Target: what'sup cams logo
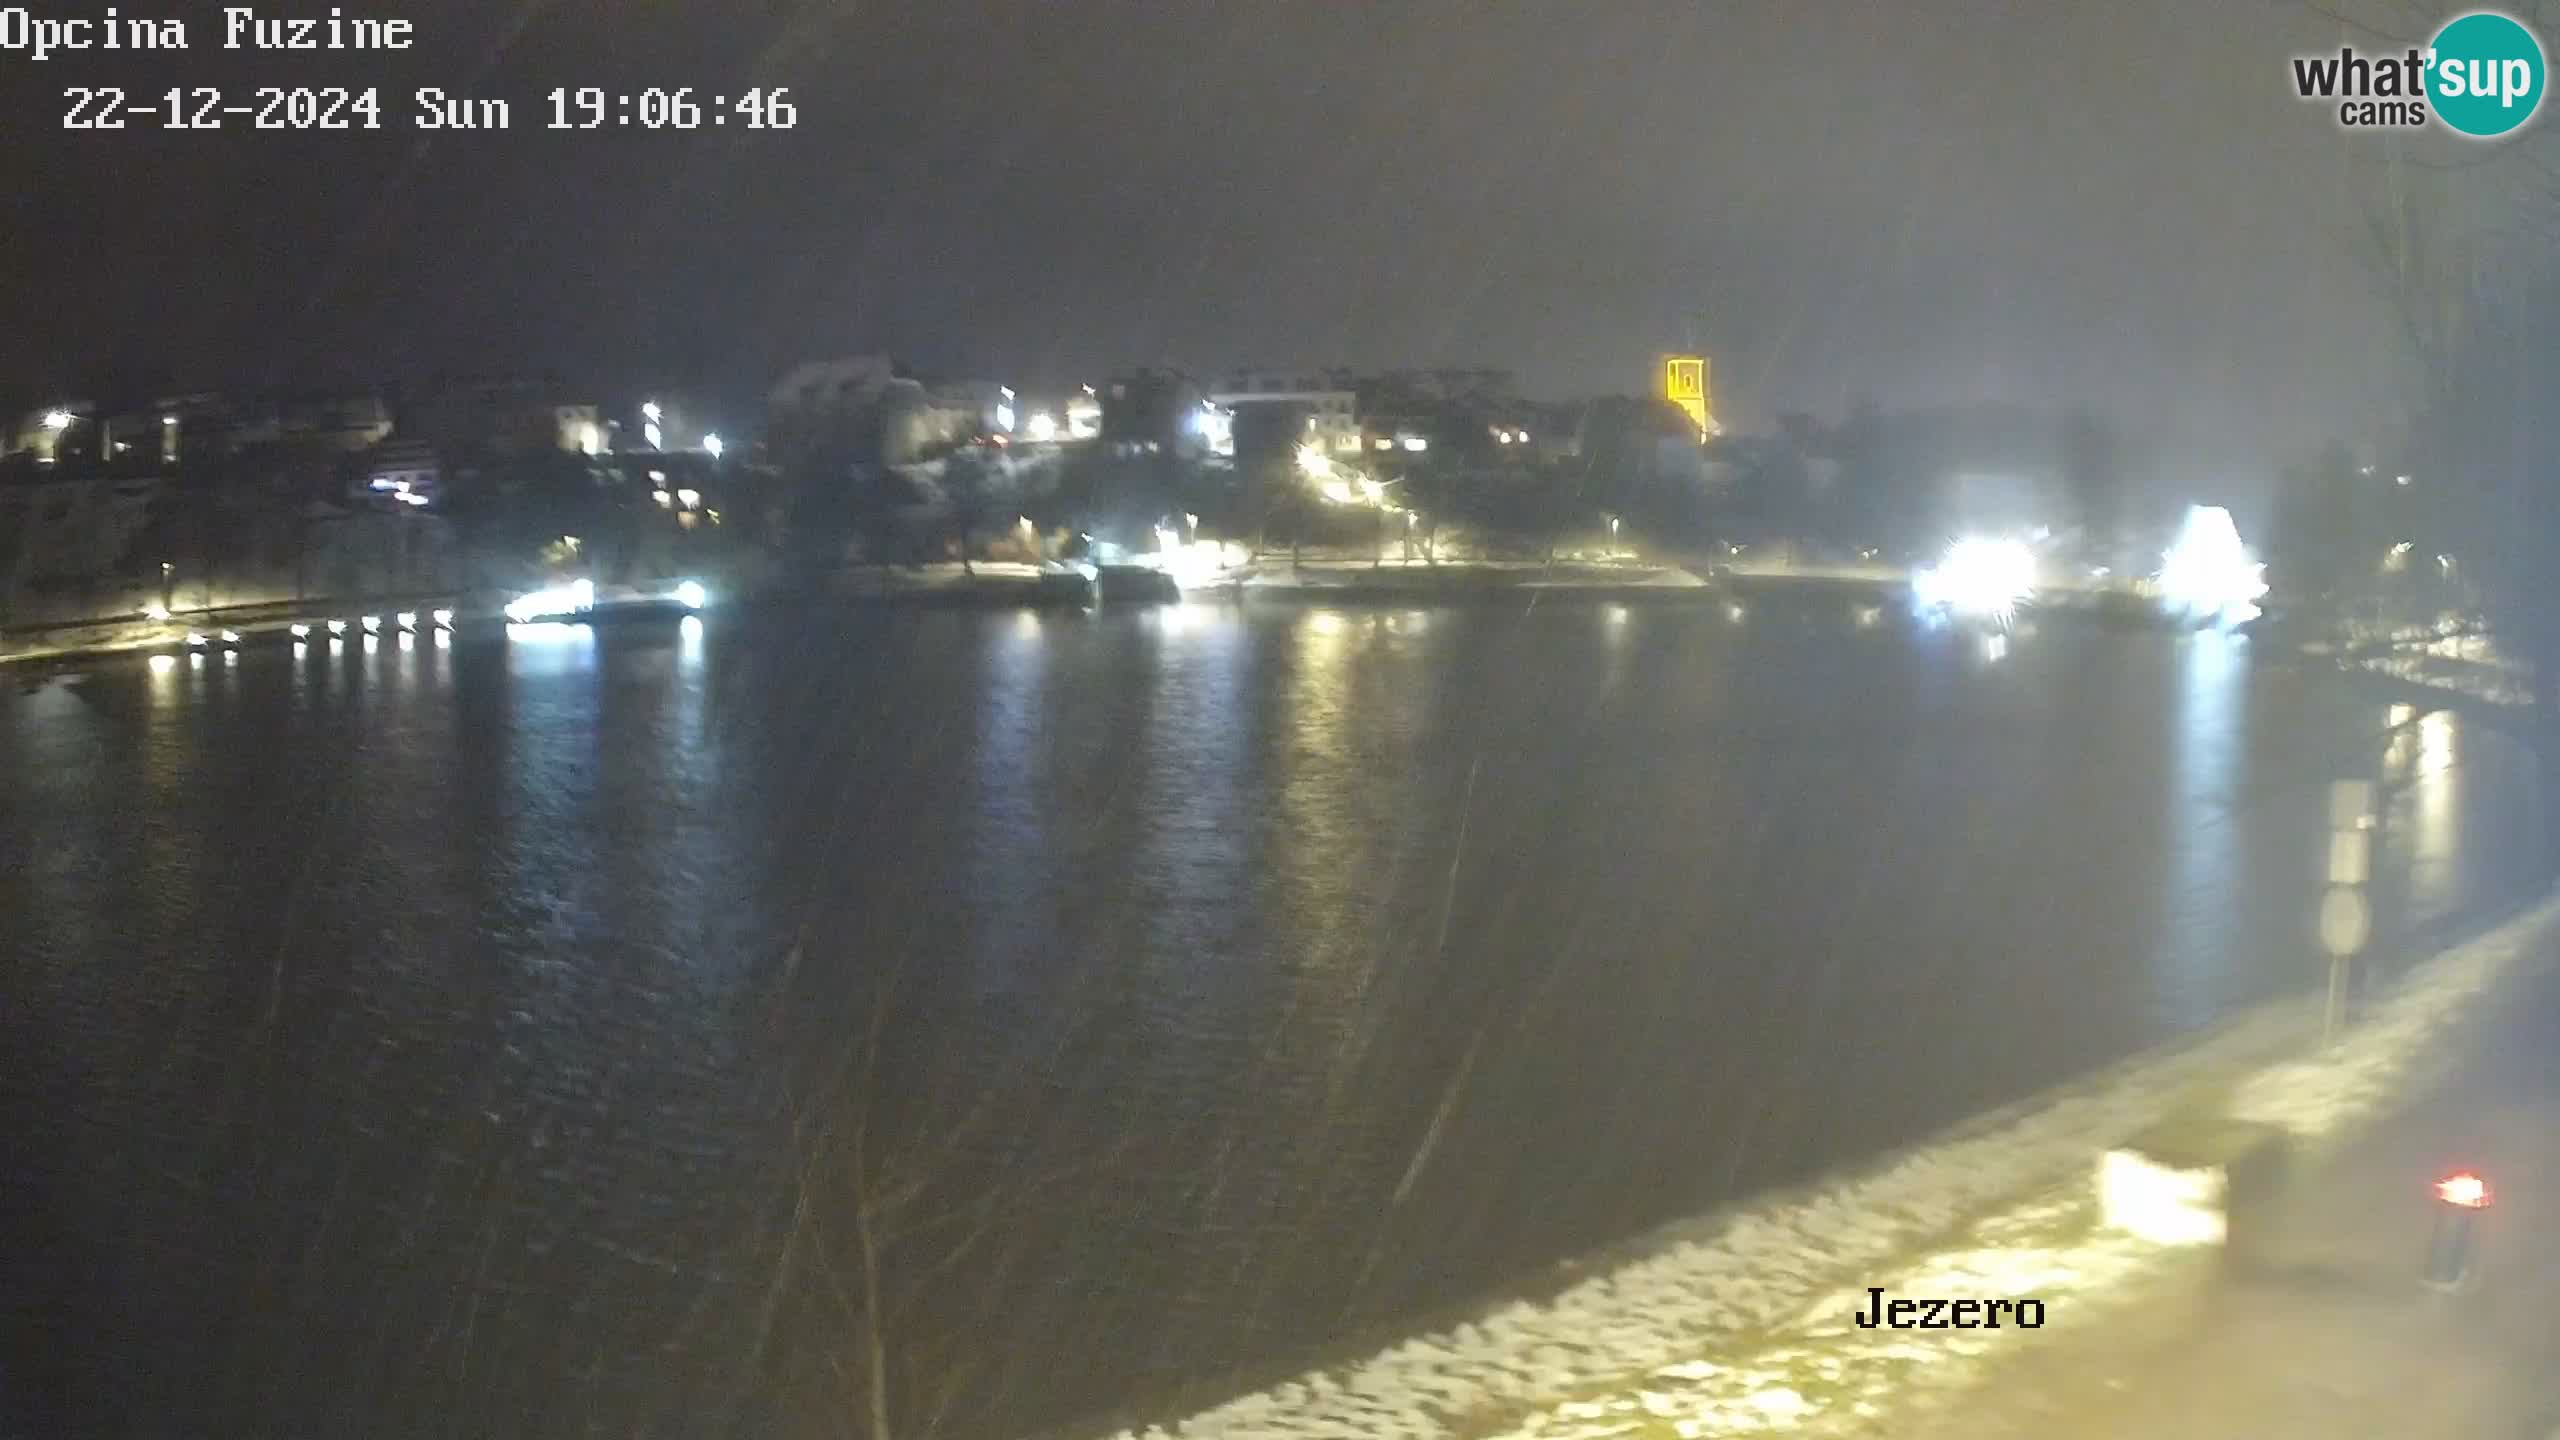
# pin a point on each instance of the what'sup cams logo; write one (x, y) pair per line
(2481, 76)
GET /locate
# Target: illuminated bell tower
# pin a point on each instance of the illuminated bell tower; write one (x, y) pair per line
(1684, 384)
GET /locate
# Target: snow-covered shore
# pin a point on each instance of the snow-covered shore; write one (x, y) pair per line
(1741, 1324)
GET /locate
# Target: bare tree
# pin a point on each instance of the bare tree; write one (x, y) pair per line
(2461, 237)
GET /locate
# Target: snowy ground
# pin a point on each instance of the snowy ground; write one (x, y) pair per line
(1746, 1329)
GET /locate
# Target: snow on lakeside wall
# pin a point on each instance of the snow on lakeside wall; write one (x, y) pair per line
(1768, 1266)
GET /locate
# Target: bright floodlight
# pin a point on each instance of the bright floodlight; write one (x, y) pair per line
(58, 419)
(1981, 579)
(337, 627)
(373, 624)
(156, 612)
(301, 631)
(2464, 1189)
(1313, 463)
(691, 595)
(574, 598)
(408, 619)
(2208, 575)
(650, 411)
(443, 619)
(712, 445)
(1041, 428)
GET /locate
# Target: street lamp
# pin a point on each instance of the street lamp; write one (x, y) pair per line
(58, 420)
(712, 445)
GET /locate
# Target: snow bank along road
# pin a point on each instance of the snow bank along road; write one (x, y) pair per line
(1744, 1323)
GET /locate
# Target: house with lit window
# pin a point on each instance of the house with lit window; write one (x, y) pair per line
(1308, 407)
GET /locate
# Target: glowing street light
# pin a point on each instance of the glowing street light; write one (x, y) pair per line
(1979, 578)
(649, 411)
(2208, 574)
(712, 445)
(2463, 1195)
(1041, 428)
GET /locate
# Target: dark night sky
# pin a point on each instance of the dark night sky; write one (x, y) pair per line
(1924, 200)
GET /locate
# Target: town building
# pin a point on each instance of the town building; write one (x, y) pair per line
(1150, 412)
(1306, 407)
(479, 421)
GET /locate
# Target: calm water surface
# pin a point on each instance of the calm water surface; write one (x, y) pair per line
(618, 1032)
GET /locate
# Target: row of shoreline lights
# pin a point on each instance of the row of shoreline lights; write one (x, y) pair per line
(577, 598)
(406, 621)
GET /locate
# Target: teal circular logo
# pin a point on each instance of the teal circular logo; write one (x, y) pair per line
(2484, 74)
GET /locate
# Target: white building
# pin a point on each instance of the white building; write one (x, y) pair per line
(1332, 410)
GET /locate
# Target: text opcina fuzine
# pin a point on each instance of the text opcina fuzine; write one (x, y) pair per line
(242, 27)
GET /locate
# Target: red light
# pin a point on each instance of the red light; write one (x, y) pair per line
(2464, 1189)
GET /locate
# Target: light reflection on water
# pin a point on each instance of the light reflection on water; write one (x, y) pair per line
(2435, 809)
(1266, 966)
(2205, 830)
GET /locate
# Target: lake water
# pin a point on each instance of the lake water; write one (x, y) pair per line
(620, 1032)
